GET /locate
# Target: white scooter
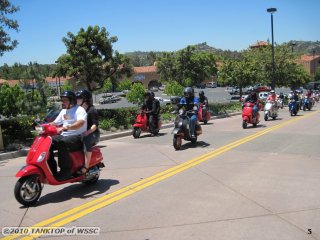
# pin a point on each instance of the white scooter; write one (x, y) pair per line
(271, 110)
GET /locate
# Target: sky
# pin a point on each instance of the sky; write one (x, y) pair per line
(159, 25)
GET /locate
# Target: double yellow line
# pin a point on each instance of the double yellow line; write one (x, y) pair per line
(78, 212)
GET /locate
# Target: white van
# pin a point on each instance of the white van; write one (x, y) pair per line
(211, 85)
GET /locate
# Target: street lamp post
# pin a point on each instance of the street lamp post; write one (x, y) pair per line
(292, 45)
(314, 64)
(272, 10)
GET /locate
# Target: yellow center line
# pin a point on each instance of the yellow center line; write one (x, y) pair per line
(84, 209)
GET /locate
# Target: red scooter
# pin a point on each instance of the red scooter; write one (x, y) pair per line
(141, 125)
(247, 114)
(203, 114)
(37, 171)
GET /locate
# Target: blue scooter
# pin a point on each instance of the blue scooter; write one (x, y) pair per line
(293, 107)
(307, 103)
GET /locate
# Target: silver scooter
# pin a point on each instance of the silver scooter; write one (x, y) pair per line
(271, 110)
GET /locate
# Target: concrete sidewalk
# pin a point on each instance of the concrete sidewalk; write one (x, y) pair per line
(23, 152)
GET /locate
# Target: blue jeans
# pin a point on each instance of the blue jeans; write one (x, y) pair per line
(255, 110)
(192, 123)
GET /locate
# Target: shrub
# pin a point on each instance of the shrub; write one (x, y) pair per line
(106, 124)
(18, 129)
(219, 108)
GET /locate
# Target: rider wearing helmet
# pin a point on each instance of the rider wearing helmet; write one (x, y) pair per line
(92, 135)
(189, 101)
(273, 98)
(73, 119)
(295, 96)
(202, 98)
(253, 97)
(152, 107)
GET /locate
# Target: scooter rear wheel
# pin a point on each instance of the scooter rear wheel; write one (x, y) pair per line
(92, 181)
(177, 142)
(28, 190)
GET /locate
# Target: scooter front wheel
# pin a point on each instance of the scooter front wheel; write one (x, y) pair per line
(28, 190)
(244, 124)
(136, 132)
(266, 117)
(177, 142)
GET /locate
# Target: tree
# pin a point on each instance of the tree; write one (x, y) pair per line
(188, 67)
(242, 72)
(125, 85)
(173, 88)
(136, 94)
(255, 66)
(12, 100)
(91, 59)
(67, 86)
(6, 43)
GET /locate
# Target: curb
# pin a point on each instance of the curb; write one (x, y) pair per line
(24, 152)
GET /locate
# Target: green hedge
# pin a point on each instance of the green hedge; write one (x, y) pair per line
(18, 129)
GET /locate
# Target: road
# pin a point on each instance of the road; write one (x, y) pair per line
(258, 183)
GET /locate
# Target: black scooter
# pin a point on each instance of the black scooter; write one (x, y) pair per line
(181, 129)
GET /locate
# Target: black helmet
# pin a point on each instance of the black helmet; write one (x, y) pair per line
(201, 93)
(85, 95)
(149, 94)
(188, 92)
(70, 95)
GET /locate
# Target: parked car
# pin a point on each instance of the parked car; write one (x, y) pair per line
(161, 88)
(201, 85)
(234, 91)
(154, 89)
(163, 101)
(261, 88)
(109, 99)
(211, 85)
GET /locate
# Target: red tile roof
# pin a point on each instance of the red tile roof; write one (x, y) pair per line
(53, 79)
(146, 69)
(308, 58)
(259, 44)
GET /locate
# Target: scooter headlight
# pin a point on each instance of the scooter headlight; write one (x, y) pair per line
(181, 112)
(41, 157)
(195, 108)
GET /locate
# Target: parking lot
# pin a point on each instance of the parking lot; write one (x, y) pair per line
(214, 95)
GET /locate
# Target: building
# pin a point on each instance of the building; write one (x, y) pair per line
(259, 44)
(147, 75)
(310, 63)
(55, 83)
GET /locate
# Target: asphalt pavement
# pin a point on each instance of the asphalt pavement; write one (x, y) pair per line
(256, 183)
